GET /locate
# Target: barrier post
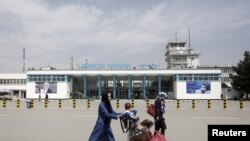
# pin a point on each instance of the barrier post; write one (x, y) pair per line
(117, 104)
(178, 104)
(4, 103)
(133, 103)
(18, 103)
(46, 103)
(32, 103)
(60, 103)
(225, 104)
(147, 103)
(241, 104)
(74, 103)
(208, 104)
(193, 104)
(88, 104)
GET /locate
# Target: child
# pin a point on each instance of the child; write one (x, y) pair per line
(131, 114)
(140, 132)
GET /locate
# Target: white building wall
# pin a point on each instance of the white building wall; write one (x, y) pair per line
(193, 63)
(180, 91)
(14, 82)
(63, 91)
(64, 88)
(124, 72)
(13, 87)
(13, 76)
(175, 90)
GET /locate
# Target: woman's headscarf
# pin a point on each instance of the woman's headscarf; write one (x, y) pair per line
(161, 96)
(105, 99)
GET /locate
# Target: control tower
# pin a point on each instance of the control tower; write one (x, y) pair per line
(180, 56)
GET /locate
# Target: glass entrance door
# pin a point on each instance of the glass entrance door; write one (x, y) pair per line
(122, 94)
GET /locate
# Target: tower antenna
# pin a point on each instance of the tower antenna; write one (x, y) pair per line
(71, 66)
(176, 36)
(189, 40)
(86, 61)
(23, 60)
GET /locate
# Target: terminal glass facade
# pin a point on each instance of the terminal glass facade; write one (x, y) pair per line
(12, 81)
(123, 87)
(197, 77)
(48, 78)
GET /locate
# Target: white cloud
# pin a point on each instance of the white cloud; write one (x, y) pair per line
(88, 31)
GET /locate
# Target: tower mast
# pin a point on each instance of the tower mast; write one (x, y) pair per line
(23, 60)
(189, 40)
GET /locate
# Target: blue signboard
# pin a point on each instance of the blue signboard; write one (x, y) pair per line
(198, 87)
(119, 66)
(109, 66)
(148, 66)
(93, 66)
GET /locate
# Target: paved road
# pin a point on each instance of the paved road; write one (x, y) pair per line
(68, 124)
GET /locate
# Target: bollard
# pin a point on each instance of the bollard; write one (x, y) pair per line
(193, 104)
(74, 103)
(133, 103)
(60, 103)
(241, 104)
(117, 104)
(225, 104)
(208, 104)
(88, 104)
(46, 103)
(178, 104)
(4, 103)
(147, 103)
(32, 103)
(18, 103)
(28, 103)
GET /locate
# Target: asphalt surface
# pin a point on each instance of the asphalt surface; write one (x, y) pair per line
(186, 123)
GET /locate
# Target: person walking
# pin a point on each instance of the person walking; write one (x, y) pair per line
(102, 130)
(46, 97)
(159, 111)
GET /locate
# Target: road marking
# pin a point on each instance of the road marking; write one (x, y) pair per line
(85, 116)
(3, 115)
(215, 117)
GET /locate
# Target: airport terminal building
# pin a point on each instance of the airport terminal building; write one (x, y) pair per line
(122, 83)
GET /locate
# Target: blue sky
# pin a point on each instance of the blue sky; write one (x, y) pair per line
(117, 31)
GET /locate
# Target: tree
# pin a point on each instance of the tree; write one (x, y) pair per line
(241, 81)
